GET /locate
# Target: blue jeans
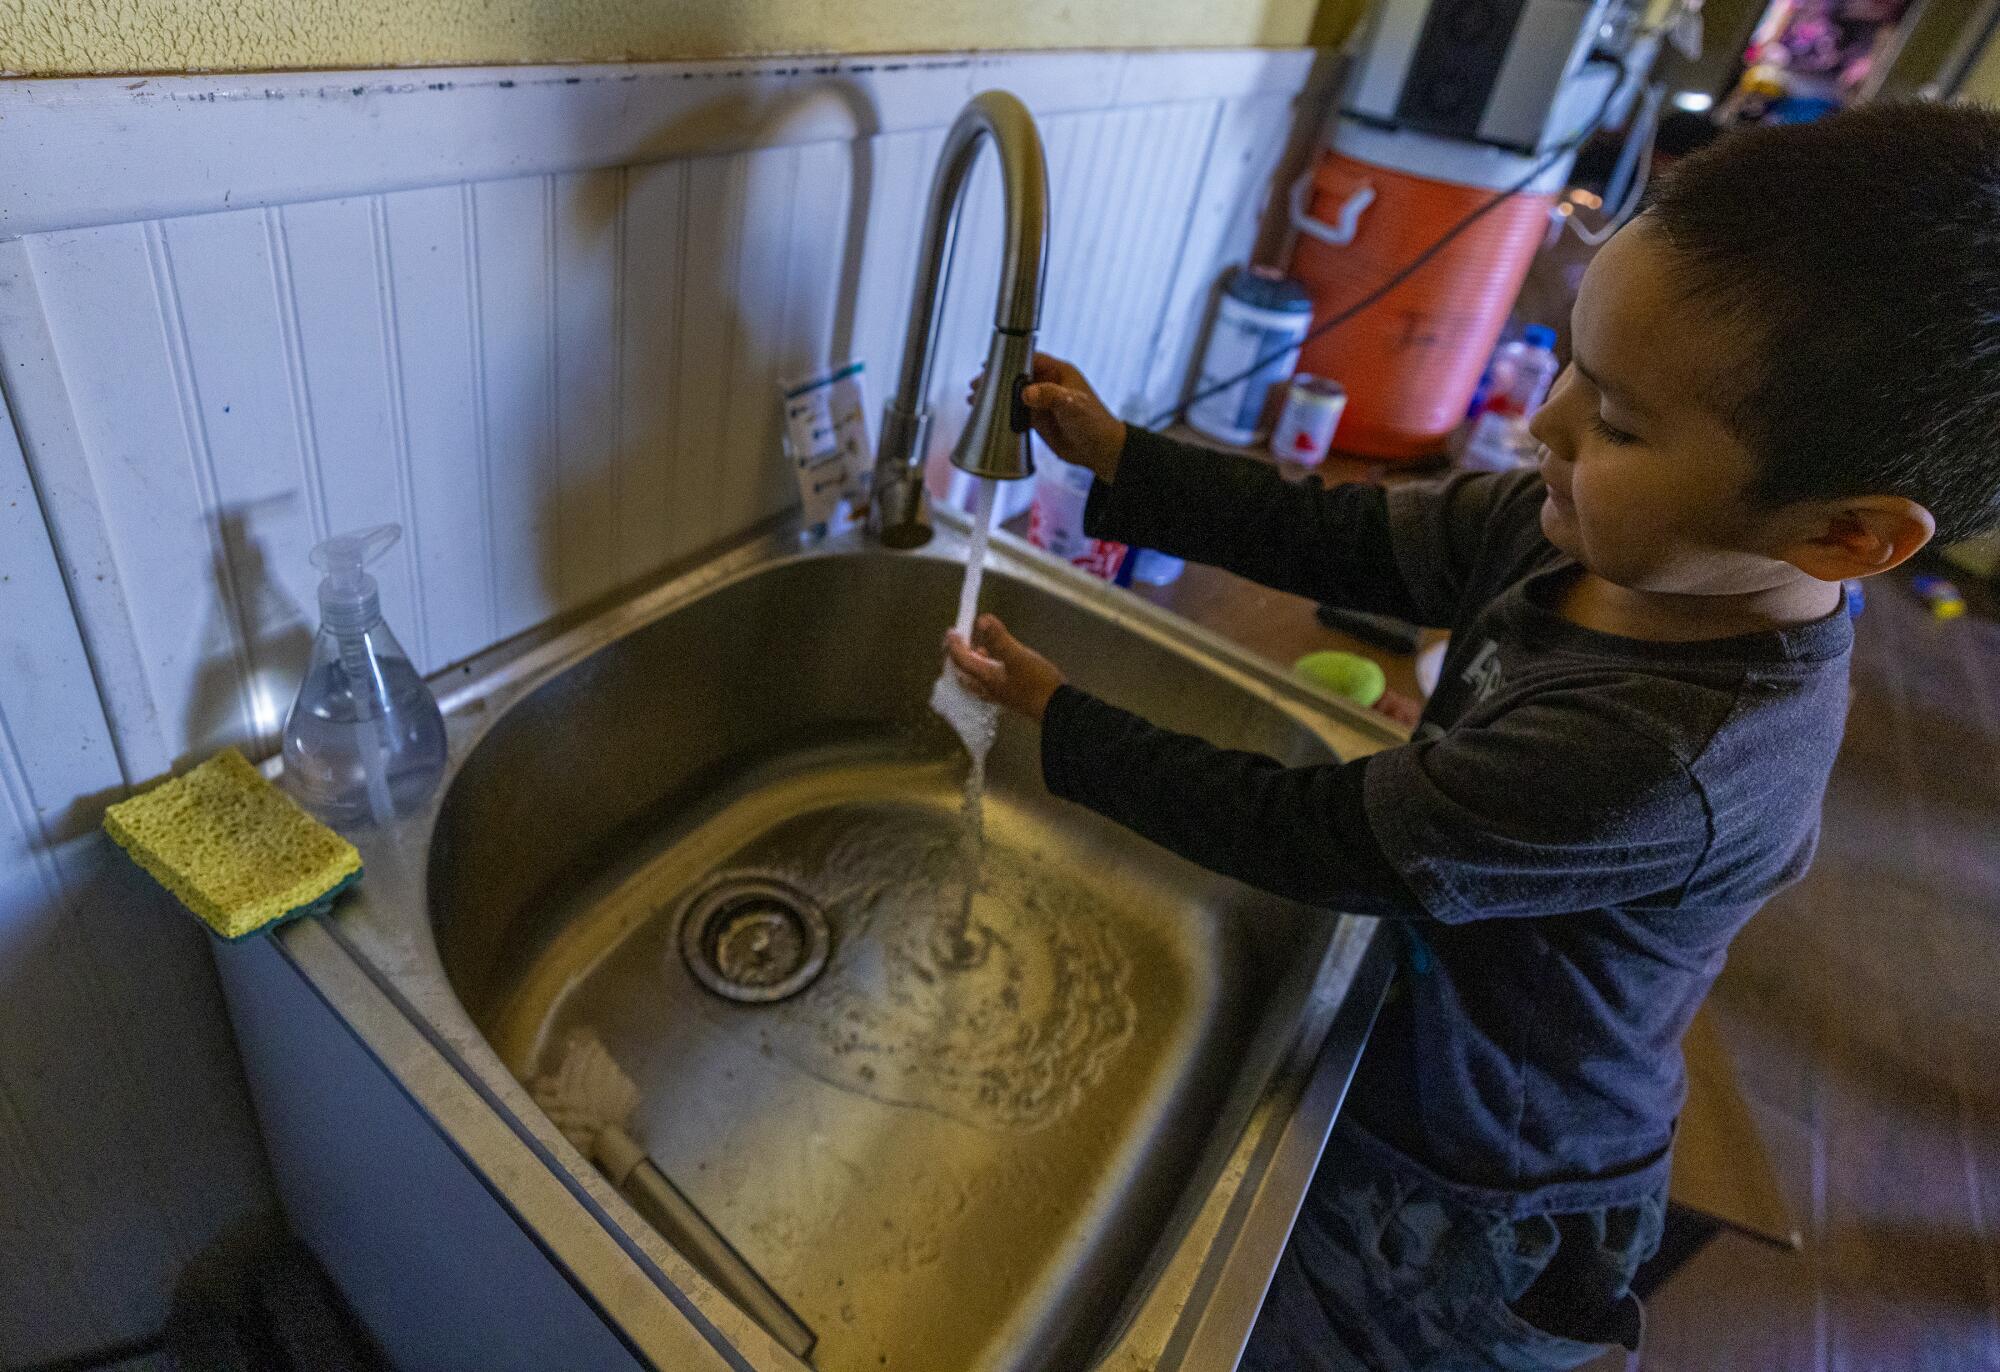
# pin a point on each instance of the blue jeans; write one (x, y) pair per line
(1387, 1274)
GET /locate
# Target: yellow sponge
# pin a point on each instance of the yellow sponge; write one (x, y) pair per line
(236, 850)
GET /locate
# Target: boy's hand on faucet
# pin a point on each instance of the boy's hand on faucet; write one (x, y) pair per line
(998, 667)
(1070, 418)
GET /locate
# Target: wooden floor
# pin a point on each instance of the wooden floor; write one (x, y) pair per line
(1862, 1011)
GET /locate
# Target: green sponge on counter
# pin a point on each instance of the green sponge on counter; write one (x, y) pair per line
(1358, 678)
(233, 848)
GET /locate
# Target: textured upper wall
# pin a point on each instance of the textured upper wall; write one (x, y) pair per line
(70, 37)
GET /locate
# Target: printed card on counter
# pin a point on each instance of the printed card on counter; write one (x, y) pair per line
(826, 437)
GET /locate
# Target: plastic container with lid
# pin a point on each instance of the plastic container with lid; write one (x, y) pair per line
(1261, 318)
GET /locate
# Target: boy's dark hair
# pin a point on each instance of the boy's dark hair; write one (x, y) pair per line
(1861, 255)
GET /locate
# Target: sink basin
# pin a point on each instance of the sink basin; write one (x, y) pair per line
(1041, 1104)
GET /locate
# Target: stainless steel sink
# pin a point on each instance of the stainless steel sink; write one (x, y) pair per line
(1069, 1133)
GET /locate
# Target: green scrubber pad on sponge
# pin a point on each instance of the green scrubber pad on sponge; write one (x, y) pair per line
(233, 848)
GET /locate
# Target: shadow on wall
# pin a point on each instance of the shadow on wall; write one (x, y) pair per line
(710, 318)
(254, 638)
(79, 818)
(241, 696)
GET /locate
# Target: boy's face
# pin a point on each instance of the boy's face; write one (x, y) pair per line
(1646, 484)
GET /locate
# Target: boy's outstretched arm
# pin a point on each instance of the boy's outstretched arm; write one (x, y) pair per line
(1329, 543)
(1560, 804)
(1299, 832)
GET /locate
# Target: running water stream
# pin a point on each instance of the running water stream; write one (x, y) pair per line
(976, 722)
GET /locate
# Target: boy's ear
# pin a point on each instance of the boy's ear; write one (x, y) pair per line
(1835, 540)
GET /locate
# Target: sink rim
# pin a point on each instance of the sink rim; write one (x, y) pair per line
(482, 689)
(384, 932)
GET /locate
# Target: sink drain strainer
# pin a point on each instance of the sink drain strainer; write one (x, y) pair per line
(751, 937)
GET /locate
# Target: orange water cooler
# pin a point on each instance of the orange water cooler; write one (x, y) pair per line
(1370, 205)
(1447, 104)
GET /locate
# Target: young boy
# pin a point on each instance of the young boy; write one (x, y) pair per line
(1786, 373)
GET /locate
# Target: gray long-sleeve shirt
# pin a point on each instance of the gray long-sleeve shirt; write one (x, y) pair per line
(1581, 824)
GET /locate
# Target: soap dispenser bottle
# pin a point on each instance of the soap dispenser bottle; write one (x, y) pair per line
(364, 741)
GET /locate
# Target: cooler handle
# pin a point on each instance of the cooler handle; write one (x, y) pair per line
(1339, 233)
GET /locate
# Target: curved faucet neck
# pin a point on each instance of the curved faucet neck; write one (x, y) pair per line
(996, 115)
(1024, 182)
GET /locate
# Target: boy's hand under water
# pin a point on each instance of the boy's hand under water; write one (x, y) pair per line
(998, 667)
(1070, 418)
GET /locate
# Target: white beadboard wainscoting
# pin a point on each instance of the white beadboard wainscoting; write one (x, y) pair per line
(538, 316)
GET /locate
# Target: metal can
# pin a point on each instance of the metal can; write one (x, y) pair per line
(1311, 414)
(1259, 322)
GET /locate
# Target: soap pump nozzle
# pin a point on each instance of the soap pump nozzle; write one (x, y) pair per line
(348, 599)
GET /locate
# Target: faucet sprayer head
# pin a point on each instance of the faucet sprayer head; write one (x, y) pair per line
(995, 442)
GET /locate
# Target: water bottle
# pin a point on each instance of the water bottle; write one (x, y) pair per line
(1522, 373)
